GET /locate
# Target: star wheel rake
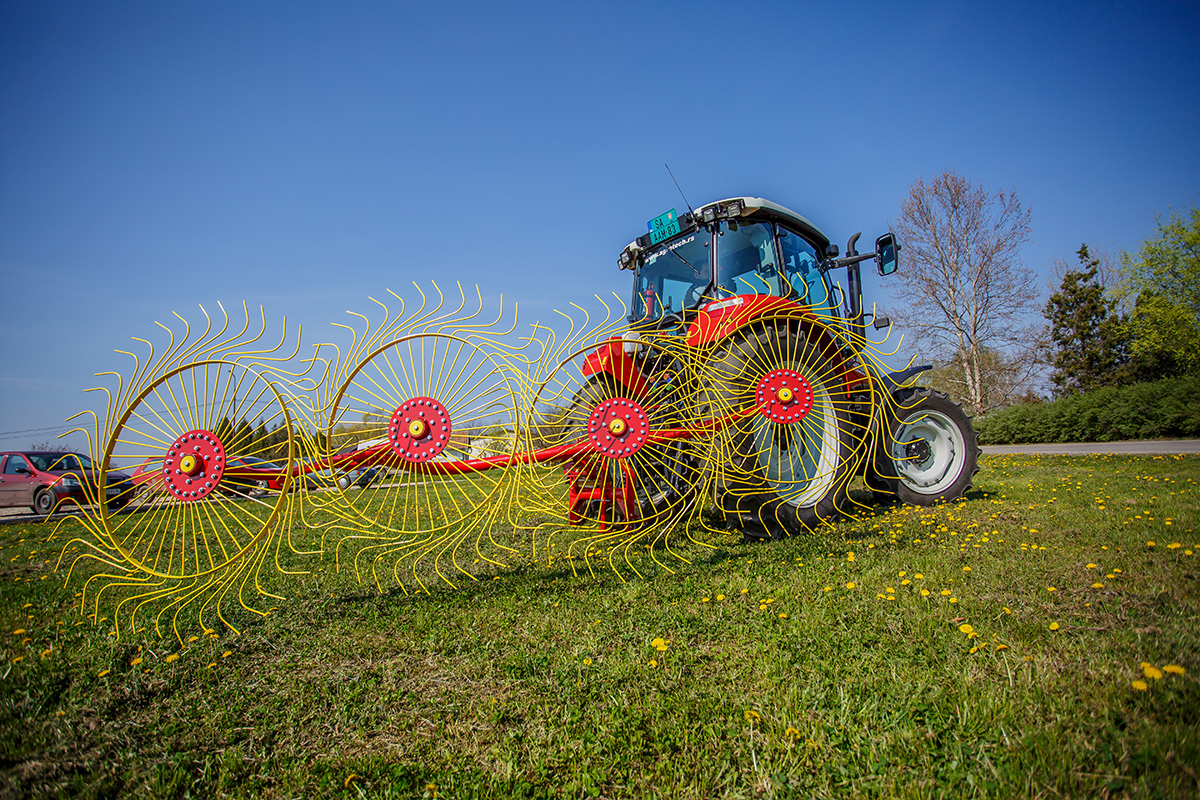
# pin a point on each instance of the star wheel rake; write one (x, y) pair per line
(197, 458)
(421, 438)
(610, 466)
(791, 415)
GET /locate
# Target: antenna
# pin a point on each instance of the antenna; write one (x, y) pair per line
(681, 194)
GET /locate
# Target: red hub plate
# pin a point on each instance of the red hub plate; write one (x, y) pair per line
(784, 396)
(618, 428)
(419, 429)
(194, 465)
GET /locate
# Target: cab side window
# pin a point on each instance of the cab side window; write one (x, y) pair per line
(801, 267)
(14, 463)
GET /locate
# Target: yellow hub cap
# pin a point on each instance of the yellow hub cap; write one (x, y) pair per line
(785, 395)
(417, 428)
(617, 427)
(189, 465)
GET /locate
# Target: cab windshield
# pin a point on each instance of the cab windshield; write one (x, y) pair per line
(673, 276)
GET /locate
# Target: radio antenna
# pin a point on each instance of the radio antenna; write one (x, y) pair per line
(681, 194)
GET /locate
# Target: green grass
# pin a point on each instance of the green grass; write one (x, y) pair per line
(777, 680)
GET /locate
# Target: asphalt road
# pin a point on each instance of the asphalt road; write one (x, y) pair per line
(1151, 447)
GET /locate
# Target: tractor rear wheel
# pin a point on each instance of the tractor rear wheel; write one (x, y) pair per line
(781, 469)
(932, 451)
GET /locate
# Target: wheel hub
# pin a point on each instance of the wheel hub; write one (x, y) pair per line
(918, 450)
(419, 429)
(194, 464)
(618, 427)
(784, 396)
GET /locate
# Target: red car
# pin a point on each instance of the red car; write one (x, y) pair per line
(42, 480)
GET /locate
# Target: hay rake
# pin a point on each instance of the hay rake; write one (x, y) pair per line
(737, 393)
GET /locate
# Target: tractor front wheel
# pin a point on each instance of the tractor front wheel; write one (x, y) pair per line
(933, 450)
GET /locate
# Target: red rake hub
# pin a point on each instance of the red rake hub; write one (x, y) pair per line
(618, 428)
(419, 430)
(784, 396)
(194, 465)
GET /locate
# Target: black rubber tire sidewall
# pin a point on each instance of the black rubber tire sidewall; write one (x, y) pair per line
(43, 502)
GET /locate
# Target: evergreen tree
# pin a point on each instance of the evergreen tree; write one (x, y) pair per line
(1087, 339)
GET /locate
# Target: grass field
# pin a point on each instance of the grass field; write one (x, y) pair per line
(1041, 639)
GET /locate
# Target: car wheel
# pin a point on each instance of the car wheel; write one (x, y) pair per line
(44, 502)
(343, 482)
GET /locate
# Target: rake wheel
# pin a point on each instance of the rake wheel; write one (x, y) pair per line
(784, 458)
(416, 410)
(186, 438)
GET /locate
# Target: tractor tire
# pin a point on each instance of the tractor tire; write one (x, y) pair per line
(931, 453)
(781, 479)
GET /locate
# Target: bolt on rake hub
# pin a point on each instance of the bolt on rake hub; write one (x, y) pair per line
(193, 465)
(784, 396)
(618, 427)
(419, 429)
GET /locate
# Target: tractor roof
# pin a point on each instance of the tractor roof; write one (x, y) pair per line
(732, 207)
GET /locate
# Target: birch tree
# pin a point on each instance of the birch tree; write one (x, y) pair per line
(966, 296)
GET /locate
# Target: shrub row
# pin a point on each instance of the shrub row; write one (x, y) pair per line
(1163, 409)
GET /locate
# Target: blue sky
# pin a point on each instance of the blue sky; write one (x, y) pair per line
(301, 156)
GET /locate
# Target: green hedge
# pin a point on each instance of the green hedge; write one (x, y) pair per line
(1163, 409)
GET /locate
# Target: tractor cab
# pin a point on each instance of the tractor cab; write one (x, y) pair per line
(741, 246)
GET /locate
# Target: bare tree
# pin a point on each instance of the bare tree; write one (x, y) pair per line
(968, 296)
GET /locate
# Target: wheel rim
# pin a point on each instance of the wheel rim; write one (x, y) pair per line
(928, 452)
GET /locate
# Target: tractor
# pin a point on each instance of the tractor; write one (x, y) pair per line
(784, 401)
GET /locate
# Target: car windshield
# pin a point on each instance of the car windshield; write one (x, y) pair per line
(251, 461)
(60, 461)
(746, 260)
(673, 276)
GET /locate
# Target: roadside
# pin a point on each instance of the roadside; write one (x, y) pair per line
(1149, 447)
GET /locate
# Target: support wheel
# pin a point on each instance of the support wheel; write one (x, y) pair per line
(932, 450)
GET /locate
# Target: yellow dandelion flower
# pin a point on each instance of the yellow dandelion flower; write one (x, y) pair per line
(850, 585)
(703, 599)
(135, 662)
(226, 654)
(965, 628)
(1141, 686)
(720, 597)
(762, 606)
(1174, 669)
(829, 588)
(1097, 585)
(902, 573)
(102, 673)
(1149, 544)
(945, 592)
(1174, 546)
(1053, 626)
(953, 599)
(966, 569)
(659, 644)
(924, 593)
(918, 576)
(752, 715)
(1091, 566)
(1152, 672)
(791, 733)
(172, 657)
(783, 616)
(1000, 647)
(653, 662)
(587, 662)
(1051, 589)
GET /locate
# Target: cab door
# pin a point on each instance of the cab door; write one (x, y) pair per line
(16, 481)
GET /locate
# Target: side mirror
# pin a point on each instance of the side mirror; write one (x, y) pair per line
(887, 254)
(22, 471)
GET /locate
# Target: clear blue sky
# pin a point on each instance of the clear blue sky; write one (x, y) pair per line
(154, 156)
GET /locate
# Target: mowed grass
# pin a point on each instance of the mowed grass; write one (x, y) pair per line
(1028, 641)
